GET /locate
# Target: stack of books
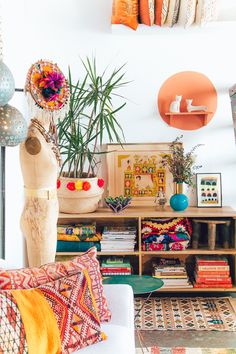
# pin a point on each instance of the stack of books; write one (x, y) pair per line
(115, 266)
(172, 272)
(212, 272)
(118, 238)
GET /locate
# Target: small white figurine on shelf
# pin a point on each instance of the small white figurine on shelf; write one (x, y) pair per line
(191, 108)
(175, 105)
(160, 200)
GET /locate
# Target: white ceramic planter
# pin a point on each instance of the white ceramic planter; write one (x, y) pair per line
(79, 201)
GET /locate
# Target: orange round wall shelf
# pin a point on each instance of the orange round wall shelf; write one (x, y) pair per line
(189, 85)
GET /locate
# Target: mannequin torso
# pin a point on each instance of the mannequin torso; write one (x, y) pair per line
(39, 218)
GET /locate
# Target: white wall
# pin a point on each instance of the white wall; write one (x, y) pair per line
(63, 31)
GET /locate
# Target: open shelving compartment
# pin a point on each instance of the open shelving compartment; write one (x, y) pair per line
(134, 216)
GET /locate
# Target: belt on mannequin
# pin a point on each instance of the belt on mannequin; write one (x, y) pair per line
(41, 193)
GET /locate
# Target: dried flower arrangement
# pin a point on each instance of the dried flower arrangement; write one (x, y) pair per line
(180, 164)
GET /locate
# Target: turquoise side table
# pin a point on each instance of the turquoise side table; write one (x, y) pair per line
(141, 284)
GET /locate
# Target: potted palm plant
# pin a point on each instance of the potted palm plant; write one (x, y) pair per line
(90, 120)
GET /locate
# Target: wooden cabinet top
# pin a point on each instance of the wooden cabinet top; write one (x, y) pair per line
(151, 211)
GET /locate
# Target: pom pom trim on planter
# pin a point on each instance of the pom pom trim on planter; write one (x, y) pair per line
(100, 182)
(58, 183)
(80, 185)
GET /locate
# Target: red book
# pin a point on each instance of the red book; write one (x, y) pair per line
(213, 281)
(213, 273)
(216, 279)
(216, 263)
(111, 269)
(211, 268)
(209, 260)
(212, 286)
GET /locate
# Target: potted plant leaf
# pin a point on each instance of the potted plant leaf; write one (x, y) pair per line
(90, 120)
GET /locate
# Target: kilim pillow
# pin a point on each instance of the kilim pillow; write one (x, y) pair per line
(125, 12)
(146, 12)
(187, 13)
(161, 11)
(173, 12)
(206, 11)
(34, 277)
(59, 317)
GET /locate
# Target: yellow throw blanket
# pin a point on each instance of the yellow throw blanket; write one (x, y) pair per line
(42, 332)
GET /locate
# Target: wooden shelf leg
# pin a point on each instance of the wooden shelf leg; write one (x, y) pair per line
(225, 230)
(211, 236)
(196, 234)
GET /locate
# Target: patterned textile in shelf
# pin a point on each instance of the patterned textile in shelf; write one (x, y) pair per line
(74, 246)
(166, 234)
(77, 229)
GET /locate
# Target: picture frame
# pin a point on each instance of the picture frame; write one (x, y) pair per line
(135, 170)
(209, 190)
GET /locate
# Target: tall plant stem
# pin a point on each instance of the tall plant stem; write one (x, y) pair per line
(94, 150)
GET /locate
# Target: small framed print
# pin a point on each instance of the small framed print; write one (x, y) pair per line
(209, 190)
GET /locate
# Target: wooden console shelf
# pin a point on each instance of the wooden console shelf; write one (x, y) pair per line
(203, 115)
(135, 215)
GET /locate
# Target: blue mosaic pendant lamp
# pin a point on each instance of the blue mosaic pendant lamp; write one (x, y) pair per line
(13, 127)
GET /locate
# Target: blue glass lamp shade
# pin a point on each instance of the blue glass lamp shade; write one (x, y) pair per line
(13, 127)
(7, 84)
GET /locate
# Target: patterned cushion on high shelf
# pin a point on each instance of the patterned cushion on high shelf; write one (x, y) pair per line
(161, 11)
(34, 277)
(146, 12)
(173, 12)
(59, 317)
(206, 11)
(187, 13)
(125, 12)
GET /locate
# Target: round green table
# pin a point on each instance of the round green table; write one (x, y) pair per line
(141, 284)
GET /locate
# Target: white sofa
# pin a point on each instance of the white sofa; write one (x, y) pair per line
(120, 330)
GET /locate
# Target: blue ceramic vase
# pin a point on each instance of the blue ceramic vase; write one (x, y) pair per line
(179, 201)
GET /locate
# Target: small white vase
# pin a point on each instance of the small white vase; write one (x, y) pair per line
(79, 201)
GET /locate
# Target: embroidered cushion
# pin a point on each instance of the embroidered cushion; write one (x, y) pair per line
(173, 12)
(146, 12)
(161, 11)
(59, 317)
(125, 12)
(187, 13)
(34, 277)
(206, 11)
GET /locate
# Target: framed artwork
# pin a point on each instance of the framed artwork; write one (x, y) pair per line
(135, 170)
(209, 190)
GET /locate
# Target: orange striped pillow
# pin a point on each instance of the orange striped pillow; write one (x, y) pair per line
(125, 12)
(161, 11)
(146, 12)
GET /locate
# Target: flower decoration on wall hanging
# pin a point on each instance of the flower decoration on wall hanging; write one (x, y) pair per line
(47, 86)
